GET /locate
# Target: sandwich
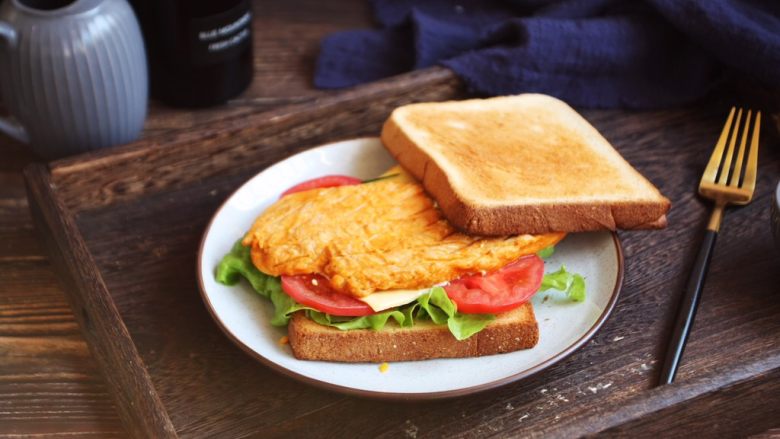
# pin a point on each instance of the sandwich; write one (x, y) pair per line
(430, 260)
(371, 271)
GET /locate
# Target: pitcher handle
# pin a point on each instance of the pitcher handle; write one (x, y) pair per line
(8, 125)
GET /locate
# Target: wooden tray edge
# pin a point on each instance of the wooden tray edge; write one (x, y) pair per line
(106, 157)
(140, 409)
(667, 396)
(118, 174)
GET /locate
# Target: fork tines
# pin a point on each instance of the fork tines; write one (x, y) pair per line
(722, 169)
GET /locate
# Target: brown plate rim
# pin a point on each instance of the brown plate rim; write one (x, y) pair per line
(397, 396)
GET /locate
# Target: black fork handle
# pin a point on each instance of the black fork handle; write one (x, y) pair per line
(687, 310)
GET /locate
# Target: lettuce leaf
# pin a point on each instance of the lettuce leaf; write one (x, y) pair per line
(284, 305)
(408, 312)
(380, 178)
(463, 326)
(546, 252)
(442, 310)
(434, 305)
(238, 263)
(374, 321)
(571, 284)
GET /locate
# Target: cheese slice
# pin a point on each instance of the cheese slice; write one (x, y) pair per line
(382, 300)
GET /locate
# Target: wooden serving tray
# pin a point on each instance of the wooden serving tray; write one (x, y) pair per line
(123, 226)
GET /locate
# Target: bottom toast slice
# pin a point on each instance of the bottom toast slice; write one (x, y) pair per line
(510, 331)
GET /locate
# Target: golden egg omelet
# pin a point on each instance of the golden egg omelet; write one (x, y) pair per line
(376, 236)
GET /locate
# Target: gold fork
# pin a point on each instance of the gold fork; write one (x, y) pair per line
(720, 183)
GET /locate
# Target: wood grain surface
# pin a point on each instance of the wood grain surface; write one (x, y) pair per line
(145, 253)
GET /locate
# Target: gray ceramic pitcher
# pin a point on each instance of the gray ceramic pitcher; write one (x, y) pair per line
(72, 74)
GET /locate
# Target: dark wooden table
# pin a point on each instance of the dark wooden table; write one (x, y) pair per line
(50, 385)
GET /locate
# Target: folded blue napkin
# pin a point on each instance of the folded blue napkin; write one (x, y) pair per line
(590, 53)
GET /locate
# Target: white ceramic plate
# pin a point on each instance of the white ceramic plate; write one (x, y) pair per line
(243, 315)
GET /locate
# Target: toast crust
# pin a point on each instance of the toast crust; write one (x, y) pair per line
(494, 208)
(511, 331)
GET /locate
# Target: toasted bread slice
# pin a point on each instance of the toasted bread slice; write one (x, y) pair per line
(520, 164)
(511, 331)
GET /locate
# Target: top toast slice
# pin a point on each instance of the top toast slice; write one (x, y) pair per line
(520, 164)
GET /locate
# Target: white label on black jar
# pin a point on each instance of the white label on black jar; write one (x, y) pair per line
(223, 36)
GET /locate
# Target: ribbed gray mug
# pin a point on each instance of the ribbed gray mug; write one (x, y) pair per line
(73, 74)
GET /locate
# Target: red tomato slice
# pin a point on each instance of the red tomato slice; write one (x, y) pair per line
(500, 291)
(320, 182)
(314, 290)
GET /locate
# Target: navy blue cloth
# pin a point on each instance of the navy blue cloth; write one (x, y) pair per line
(590, 53)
